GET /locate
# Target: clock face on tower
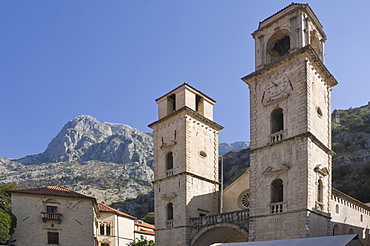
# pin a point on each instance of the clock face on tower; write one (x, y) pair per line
(277, 85)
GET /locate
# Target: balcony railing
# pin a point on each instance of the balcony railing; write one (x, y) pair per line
(237, 216)
(169, 223)
(169, 173)
(51, 216)
(277, 136)
(276, 207)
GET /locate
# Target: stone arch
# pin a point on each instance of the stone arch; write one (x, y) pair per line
(278, 45)
(276, 120)
(220, 233)
(336, 230)
(316, 44)
(169, 161)
(169, 211)
(277, 191)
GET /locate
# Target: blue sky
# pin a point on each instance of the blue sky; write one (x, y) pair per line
(111, 59)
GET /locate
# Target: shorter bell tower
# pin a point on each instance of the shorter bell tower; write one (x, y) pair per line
(186, 176)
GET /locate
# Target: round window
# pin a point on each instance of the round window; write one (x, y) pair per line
(319, 112)
(203, 154)
(244, 199)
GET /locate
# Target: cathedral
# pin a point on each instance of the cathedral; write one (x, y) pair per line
(287, 191)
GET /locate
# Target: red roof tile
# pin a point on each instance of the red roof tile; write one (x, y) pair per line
(105, 208)
(144, 224)
(145, 231)
(52, 191)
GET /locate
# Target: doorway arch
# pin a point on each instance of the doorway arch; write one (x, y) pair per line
(220, 233)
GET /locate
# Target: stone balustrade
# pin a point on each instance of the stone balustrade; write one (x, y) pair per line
(276, 207)
(169, 173)
(276, 137)
(232, 217)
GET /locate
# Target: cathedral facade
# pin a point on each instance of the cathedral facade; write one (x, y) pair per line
(287, 191)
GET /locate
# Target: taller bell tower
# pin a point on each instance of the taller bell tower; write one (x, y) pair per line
(291, 156)
(185, 163)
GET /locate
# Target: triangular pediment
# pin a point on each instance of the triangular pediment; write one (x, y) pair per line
(323, 171)
(168, 195)
(276, 169)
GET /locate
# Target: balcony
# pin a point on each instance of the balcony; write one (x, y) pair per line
(276, 207)
(51, 216)
(169, 223)
(169, 173)
(232, 217)
(276, 137)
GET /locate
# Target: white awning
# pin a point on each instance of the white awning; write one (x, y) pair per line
(342, 240)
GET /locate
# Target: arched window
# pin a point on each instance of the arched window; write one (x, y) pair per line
(351, 231)
(277, 191)
(277, 120)
(316, 44)
(336, 231)
(337, 209)
(169, 161)
(170, 211)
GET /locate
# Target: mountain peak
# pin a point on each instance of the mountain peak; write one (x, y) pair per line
(85, 138)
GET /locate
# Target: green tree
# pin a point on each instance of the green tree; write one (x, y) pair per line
(5, 200)
(6, 226)
(149, 218)
(141, 242)
(7, 220)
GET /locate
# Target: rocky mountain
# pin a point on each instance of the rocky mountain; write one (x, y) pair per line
(223, 148)
(84, 138)
(351, 142)
(111, 162)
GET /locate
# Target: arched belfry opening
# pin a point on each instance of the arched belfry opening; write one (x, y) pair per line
(170, 211)
(277, 120)
(278, 45)
(169, 161)
(317, 45)
(277, 194)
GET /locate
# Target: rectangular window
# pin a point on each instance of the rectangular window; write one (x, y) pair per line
(171, 103)
(107, 230)
(52, 209)
(53, 237)
(198, 103)
(104, 244)
(102, 229)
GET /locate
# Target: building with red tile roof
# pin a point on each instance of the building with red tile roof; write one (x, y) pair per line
(55, 215)
(144, 230)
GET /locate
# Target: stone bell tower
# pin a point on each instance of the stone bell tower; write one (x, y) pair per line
(291, 156)
(185, 163)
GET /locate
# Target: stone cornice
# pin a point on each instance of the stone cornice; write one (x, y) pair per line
(313, 138)
(327, 215)
(192, 113)
(190, 174)
(329, 78)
